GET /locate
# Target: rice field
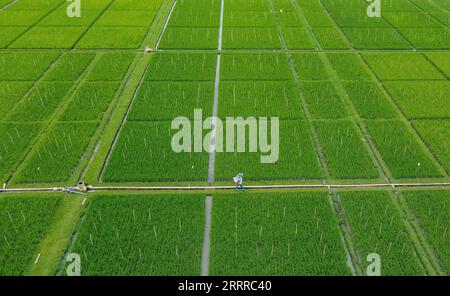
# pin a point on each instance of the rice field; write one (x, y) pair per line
(350, 99)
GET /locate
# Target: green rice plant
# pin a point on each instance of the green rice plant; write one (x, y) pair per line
(411, 19)
(20, 17)
(57, 156)
(46, 5)
(166, 100)
(358, 19)
(9, 34)
(21, 65)
(288, 19)
(435, 134)
(25, 222)
(318, 18)
(107, 37)
(289, 233)
(41, 103)
(248, 5)
(426, 6)
(344, 150)
(432, 208)
(15, 139)
(403, 154)
(398, 5)
(69, 67)
(248, 18)
(10, 94)
(142, 235)
(190, 38)
(126, 18)
(59, 17)
(135, 5)
(309, 66)
(348, 66)
(251, 38)
(441, 60)
(323, 100)
(260, 99)
(283, 5)
(344, 5)
(330, 38)
(376, 38)
(421, 99)
(182, 67)
(49, 37)
(428, 38)
(297, 158)
(255, 66)
(194, 18)
(90, 101)
(401, 66)
(369, 100)
(144, 153)
(111, 67)
(196, 5)
(377, 227)
(298, 38)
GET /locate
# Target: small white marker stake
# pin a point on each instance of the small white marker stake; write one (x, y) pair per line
(84, 200)
(37, 258)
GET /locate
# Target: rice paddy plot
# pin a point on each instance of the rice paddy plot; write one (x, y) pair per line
(401, 66)
(309, 66)
(189, 38)
(57, 156)
(167, 100)
(142, 235)
(421, 99)
(402, 152)
(182, 66)
(323, 100)
(287, 233)
(144, 153)
(15, 139)
(435, 134)
(21, 65)
(376, 227)
(10, 93)
(25, 221)
(254, 66)
(345, 153)
(260, 98)
(432, 208)
(369, 100)
(251, 38)
(296, 158)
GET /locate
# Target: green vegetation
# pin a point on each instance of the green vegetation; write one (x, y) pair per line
(25, 221)
(275, 234)
(142, 235)
(377, 227)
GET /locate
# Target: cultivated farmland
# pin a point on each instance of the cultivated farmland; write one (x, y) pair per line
(133, 95)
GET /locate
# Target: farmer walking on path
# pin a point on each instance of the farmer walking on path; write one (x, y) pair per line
(239, 181)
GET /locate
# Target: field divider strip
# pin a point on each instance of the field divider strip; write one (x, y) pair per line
(119, 131)
(206, 239)
(148, 38)
(165, 24)
(274, 186)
